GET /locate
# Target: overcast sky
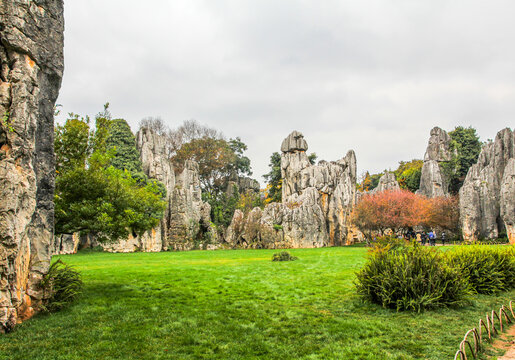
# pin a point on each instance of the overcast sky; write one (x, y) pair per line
(373, 76)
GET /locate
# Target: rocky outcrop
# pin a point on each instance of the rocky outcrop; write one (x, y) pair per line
(190, 222)
(31, 54)
(298, 223)
(65, 244)
(487, 190)
(156, 164)
(387, 182)
(508, 199)
(334, 181)
(241, 185)
(316, 203)
(432, 180)
(186, 223)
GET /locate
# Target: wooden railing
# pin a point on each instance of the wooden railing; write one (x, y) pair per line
(491, 328)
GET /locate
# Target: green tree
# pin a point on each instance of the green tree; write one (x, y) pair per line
(91, 195)
(214, 158)
(107, 202)
(98, 141)
(122, 140)
(240, 164)
(374, 180)
(71, 143)
(466, 146)
(408, 174)
(273, 179)
(312, 158)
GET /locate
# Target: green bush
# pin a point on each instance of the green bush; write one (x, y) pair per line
(489, 269)
(411, 278)
(388, 242)
(284, 256)
(61, 286)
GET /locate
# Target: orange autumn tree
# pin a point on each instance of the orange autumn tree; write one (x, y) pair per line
(444, 213)
(400, 210)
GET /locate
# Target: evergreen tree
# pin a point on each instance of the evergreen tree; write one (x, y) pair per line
(274, 180)
(122, 140)
(466, 147)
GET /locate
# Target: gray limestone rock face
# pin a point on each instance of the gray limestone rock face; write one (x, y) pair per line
(335, 182)
(302, 220)
(508, 199)
(189, 216)
(31, 55)
(241, 185)
(316, 204)
(65, 244)
(154, 150)
(186, 217)
(298, 223)
(432, 180)
(294, 142)
(485, 190)
(438, 147)
(387, 182)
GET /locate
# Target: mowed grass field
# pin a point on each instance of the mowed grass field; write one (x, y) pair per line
(235, 304)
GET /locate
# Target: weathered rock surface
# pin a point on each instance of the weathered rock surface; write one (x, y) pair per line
(154, 155)
(190, 222)
(335, 182)
(65, 244)
(508, 199)
(486, 190)
(432, 179)
(186, 223)
(316, 205)
(241, 185)
(31, 55)
(150, 241)
(387, 182)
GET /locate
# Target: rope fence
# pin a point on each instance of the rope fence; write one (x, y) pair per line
(466, 345)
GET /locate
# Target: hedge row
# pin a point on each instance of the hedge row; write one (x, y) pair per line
(416, 277)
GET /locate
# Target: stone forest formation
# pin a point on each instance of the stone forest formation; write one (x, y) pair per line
(317, 199)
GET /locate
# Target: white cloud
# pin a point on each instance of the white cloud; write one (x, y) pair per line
(373, 76)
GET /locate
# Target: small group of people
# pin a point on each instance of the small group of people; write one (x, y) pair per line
(429, 237)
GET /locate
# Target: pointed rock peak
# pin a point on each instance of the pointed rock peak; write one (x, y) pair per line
(294, 142)
(436, 131)
(438, 147)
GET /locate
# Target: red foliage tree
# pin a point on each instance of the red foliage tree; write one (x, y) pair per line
(400, 210)
(444, 213)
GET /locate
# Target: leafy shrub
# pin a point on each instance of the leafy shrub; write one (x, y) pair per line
(283, 256)
(61, 286)
(411, 278)
(388, 243)
(489, 269)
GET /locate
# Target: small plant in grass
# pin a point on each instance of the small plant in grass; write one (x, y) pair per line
(284, 256)
(411, 278)
(61, 286)
(489, 269)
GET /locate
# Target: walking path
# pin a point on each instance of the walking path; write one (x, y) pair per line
(506, 342)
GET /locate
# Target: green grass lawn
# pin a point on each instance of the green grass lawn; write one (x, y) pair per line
(234, 304)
